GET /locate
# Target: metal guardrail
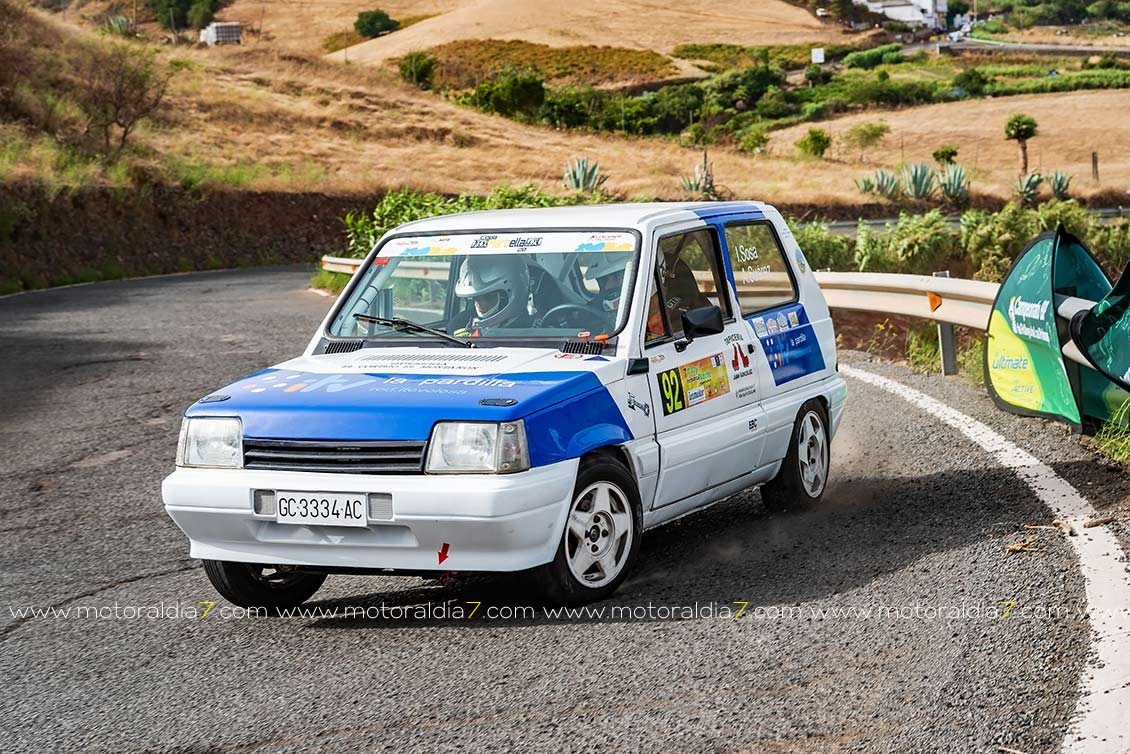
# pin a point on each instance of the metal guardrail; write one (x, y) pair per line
(945, 300)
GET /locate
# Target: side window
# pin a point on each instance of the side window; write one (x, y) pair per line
(688, 267)
(760, 270)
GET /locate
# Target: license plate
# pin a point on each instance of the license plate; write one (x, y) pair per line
(320, 508)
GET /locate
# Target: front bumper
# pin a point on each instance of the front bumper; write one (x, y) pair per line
(506, 522)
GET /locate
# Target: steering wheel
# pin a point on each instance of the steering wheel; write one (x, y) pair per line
(570, 315)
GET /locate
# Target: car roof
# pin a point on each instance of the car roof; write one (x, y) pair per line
(626, 215)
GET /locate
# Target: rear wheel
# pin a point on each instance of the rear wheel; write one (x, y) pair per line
(252, 585)
(601, 537)
(804, 472)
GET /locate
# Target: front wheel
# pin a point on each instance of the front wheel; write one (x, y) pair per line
(601, 537)
(804, 472)
(260, 586)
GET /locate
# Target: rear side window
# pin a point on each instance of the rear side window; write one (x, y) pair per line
(761, 273)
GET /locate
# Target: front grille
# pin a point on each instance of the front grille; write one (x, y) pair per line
(335, 456)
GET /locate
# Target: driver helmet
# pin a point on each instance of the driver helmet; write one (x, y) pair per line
(498, 284)
(607, 271)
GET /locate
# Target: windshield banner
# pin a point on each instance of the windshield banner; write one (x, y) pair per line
(1025, 370)
(460, 244)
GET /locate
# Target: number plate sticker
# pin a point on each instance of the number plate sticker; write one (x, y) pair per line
(693, 383)
(320, 508)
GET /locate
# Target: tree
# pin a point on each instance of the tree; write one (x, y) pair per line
(1020, 128)
(864, 136)
(201, 13)
(372, 23)
(121, 87)
(814, 143)
(945, 154)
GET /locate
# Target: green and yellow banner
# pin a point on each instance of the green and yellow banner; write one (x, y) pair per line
(1024, 366)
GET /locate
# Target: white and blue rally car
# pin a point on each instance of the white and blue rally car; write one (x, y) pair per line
(524, 390)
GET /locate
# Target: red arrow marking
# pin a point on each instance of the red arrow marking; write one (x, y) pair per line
(443, 552)
(734, 361)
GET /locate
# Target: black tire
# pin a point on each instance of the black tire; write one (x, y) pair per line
(787, 491)
(555, 581)
(252, 585)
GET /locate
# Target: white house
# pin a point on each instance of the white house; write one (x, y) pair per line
(930, 13)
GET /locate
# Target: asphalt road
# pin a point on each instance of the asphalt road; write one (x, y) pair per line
(872, 623)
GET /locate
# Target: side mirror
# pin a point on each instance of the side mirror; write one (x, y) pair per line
(705, 320)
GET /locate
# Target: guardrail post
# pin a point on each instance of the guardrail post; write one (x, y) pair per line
(947, 342)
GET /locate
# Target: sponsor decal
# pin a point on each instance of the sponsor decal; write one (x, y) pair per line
(740, 363)
(693, 384)
(736, 337)
(794, 320)
(659, 358)
(300, 382)
(1020, 310)
(753, 425)
(759, 327)
(792, 352)
(635, 404)
(577, 356)
(746, 391)
(1003, 361)
(801, 262)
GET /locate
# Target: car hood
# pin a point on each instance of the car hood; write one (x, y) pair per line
(399, 394)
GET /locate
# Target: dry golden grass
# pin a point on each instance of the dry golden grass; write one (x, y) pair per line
(617, 23)
(1072, 125)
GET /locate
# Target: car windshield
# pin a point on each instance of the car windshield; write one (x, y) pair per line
(552, 284)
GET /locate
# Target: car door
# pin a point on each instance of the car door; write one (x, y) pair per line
(704, 392)
(787, 349)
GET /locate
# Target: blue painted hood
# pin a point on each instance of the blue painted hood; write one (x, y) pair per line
(343, 397)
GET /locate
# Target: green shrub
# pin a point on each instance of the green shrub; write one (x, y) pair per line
(754, 140)
(871, 58)
(815, 74)
(823, 248)
(510, 93)
(945, 154)
(972, 81)
(568, 107)
(814, 143)
(418, 69)
(373, 23)
(864, 136)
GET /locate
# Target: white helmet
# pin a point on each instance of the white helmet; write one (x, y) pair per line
(604, 266)
(505, 274)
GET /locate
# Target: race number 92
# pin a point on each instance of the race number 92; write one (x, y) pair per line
(671, 388)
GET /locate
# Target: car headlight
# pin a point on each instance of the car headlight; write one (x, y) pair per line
(472, 447)
(211, 443)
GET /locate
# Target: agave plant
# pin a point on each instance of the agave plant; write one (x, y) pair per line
(865, 184)
(954, 185)
(1028, 188)
(702, 182)
(919, 181)
(887, 184)
(1059, 183)
(582, 175)
(119, 25)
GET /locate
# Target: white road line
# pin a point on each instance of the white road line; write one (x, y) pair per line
(1098, 725)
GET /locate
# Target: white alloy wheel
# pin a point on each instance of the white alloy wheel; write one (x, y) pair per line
(812, 452)
(599, 534)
